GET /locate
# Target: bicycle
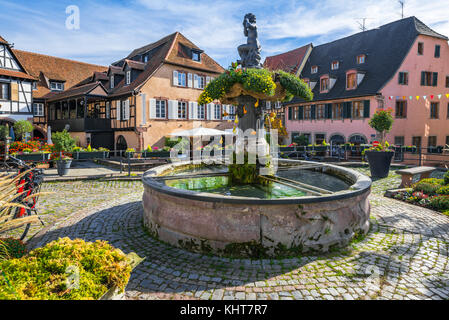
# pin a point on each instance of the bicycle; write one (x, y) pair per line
(27, 186)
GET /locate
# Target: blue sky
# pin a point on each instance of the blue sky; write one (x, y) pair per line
(109, 30)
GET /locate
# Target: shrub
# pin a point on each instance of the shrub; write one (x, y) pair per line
(11, 248)
(440, 203)
(43, 275)
(446, 178)
(63, 141)
(301, 140)
(428, 186)
(444, 190)
(21, 127)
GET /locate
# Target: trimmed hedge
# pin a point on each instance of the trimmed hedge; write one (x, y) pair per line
(439, 203)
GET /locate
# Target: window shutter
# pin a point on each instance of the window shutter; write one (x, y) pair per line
(207, 80)
(117, 108)
(435, 79)
(194, 110)
(300, 113)
(366, 108)
(191, 110)
(175, 78)
(209, 115)
(401, 78)
(195, 81)
(268, 105)
(347, 110)
(423, 78)
(152, 108)
(313, 112)
(329, 111)
(189, 80)
(172, 109)
(290, 113)
(126, 110)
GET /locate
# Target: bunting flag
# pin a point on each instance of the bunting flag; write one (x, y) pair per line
(447, 95)
(411, 98)
(439, 96)
(425, 97)
(417, 97)
(431, 97)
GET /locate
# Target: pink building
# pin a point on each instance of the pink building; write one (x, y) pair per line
(403, 65)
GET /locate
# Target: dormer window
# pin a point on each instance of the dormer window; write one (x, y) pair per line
(324, 84)
(335, 65)
(56, 86)
(351, 81)
(145, 58)
(128, 77)
(111, 81)
(34, 85)
(361, 59)
(314, 69)
(196, 56)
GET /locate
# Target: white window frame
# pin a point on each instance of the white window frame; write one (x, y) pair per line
(181, 105)
(201, 112)
(161, 105)
(38, 109)
(335, 65)
(314, 69)
(128, 77)
(182, 79)
(361, 58)
(56, 86)
(217, 112)
(199, 56)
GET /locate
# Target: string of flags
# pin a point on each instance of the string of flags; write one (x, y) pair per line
(432, 97)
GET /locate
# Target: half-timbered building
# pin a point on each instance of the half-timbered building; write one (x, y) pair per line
(15, 87)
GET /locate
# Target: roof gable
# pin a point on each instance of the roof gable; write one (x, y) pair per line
(289, 61)
(57, 69)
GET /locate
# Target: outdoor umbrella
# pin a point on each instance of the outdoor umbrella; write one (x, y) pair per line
(199, 132)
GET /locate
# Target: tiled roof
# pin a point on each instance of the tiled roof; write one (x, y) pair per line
(73, 92)
(47, 68)
(385, 48)
(135, 64)
(2, 40)
(162, 51)
(288, 61)
(16, 74)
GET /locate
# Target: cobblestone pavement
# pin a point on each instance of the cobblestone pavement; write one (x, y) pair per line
(405, 255)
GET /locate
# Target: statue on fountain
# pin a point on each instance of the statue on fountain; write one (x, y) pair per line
(250, 52)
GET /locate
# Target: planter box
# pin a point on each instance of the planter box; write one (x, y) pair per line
(287, 149)
(156, 154)
(91, 155)
(320, 148)
(33, 157)
(435, 149)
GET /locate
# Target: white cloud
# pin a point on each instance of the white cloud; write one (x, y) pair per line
(110, 30)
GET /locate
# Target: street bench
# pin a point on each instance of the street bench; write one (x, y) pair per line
(409, 174)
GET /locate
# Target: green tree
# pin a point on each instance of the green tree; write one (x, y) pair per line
(22, 127)
(382, 122)
(63, 141)
(4, 132)
(301, 140)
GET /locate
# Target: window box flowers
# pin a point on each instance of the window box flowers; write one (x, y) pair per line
(156, 152)
(90, 153)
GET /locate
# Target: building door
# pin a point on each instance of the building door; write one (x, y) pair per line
(102, 140)
(121, 143)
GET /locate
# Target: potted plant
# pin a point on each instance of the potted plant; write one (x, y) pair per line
(63, 163)
(63, 144)
(380, 155)
(129, 153)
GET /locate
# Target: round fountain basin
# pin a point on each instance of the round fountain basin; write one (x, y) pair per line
(204, 214)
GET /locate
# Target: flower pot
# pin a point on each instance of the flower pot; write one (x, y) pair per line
(379, 163)
(63, 166)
